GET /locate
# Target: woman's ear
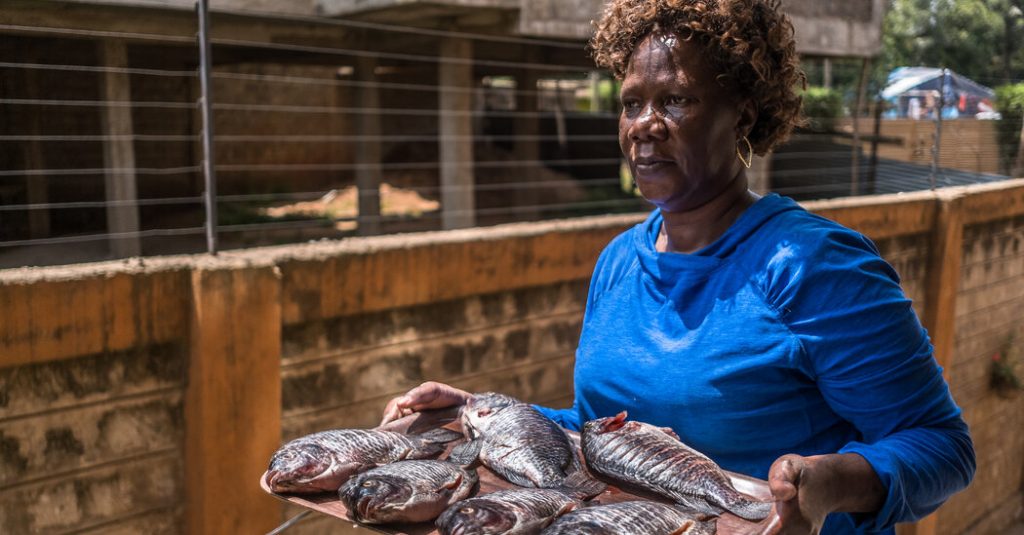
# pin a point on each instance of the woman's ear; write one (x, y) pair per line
(747, 118)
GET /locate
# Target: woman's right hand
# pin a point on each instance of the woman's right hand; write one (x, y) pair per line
(429, 395)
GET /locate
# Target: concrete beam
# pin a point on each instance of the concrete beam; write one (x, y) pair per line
(119, 152)
(456, 130)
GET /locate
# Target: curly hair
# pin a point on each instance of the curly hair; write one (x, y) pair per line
(748, 42)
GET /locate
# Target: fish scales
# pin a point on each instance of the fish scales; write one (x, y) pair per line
(505, 512)
(631, 518)
(324, 460)
(653, 459)
(516, 441)
(517, 511)
(406, 491)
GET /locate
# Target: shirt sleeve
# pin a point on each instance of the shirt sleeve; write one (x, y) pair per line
(873, 363)
(567, 418)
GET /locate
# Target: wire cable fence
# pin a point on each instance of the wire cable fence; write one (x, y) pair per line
(116, 144)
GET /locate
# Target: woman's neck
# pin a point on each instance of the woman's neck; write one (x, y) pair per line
(688, 231)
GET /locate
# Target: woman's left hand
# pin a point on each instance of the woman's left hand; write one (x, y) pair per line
(807, 489)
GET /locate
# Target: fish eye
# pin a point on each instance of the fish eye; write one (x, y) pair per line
(467, 510)
(369, 483)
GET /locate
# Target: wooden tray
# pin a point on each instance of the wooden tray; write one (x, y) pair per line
(329, 504)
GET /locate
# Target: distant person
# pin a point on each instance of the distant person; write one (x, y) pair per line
(914, 108)
(775, 341)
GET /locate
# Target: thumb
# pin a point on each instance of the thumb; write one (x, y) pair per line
(784, 477)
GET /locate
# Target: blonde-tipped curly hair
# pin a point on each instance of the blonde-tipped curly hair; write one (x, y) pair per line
(748, 42)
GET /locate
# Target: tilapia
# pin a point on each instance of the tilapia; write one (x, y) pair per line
(653, 458)
(517, 511)
(516, 441)
(322, 461)
(632, 518)
(406, 491)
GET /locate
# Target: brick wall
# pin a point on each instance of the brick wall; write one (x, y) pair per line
(990, 319)
(147, 396)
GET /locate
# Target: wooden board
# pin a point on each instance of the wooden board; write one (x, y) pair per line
(330, 504)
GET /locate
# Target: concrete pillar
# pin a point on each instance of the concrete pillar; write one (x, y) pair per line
(526, 129)
(456, 130)
(119, 153)
(368, 152)
(232, 399)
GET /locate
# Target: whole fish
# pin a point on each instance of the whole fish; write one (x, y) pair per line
(632, 518)
(517, 511)
(516, 441)
(406, 491)
(653, 458)
(322, 461)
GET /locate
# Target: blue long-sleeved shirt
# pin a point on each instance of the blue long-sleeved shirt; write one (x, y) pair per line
(788, 334)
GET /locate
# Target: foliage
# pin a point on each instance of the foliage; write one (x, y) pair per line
(1003, 378)
(980, 39)
(821, 107)
(1010, 104)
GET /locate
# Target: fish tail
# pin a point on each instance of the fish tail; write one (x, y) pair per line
(748, 509)
(580, 484)
(433, 442)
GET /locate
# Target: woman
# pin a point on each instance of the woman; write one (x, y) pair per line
(775, 341)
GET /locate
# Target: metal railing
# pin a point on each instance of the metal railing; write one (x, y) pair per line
(219, 141)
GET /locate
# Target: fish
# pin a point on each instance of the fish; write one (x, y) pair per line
(515, 441)
(323, 461)
(632, 518)
(517, 511)
(655, 459)
(406, 491)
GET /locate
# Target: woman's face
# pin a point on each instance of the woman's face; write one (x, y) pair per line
(679, 127)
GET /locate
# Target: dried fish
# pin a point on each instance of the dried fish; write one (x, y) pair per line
(632, 518)
(406, 491)
(322, 462)
(516, 441)
(517, 511)
(653, 458)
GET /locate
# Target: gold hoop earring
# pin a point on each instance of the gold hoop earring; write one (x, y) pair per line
(750, 151)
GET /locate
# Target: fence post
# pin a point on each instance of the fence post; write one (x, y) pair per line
(232, 398)
(209, 177)
(943, 285)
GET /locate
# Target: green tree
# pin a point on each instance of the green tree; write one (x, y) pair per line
(977, 38)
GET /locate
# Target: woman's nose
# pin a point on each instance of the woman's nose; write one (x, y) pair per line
(648, 126)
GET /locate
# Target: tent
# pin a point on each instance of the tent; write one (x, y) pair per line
(917, 92)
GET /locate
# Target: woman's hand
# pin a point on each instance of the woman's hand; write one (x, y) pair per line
(807, 489)
(429, 395)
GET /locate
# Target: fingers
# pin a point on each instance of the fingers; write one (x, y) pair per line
(429, 395)
(784, 476)
(394, 409)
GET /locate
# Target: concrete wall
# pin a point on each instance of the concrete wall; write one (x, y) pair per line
(148, 397)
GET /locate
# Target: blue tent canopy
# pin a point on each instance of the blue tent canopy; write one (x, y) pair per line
(960, 94)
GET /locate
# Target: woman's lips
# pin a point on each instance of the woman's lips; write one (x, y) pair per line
(646, 166)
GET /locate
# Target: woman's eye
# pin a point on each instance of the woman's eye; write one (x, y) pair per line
(676, 101)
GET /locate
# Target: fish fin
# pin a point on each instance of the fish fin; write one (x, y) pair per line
(698, 504)
(432, 443)
(749, 509)
(581, 485)
(683, 528)
(466, 453)
(668, 431)
(453, 483)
